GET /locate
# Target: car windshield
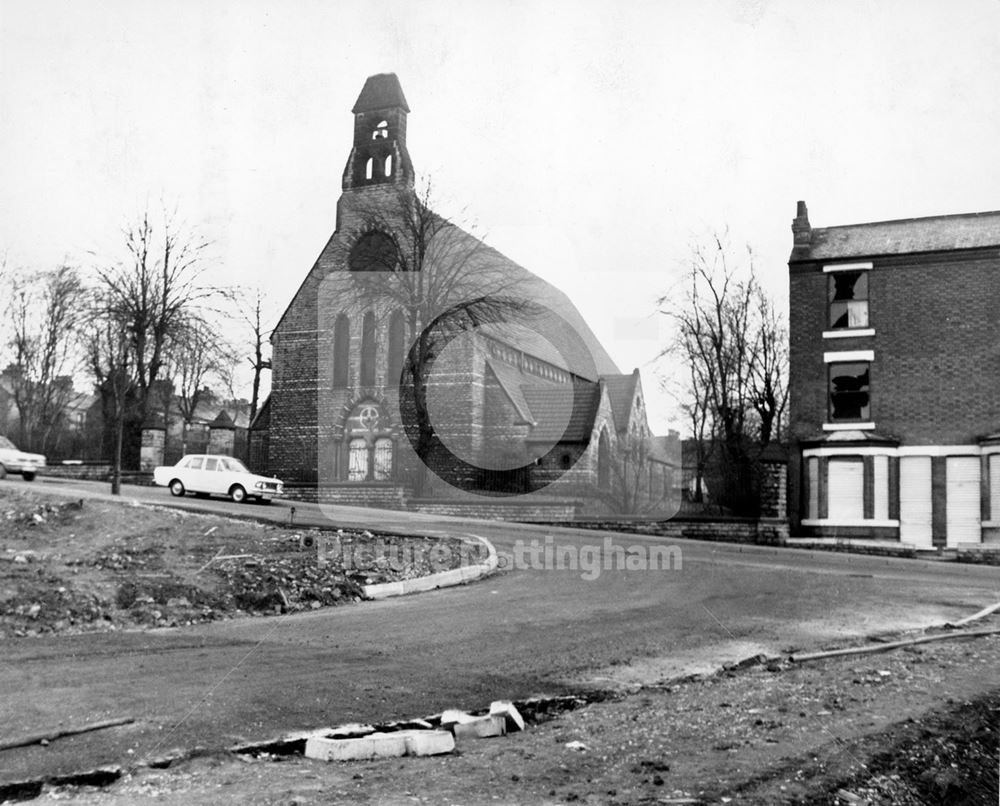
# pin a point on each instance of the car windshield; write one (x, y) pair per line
(6, 443)
(235, 465)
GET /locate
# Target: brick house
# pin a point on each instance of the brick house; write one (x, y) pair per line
(895, 379)
(535, 406)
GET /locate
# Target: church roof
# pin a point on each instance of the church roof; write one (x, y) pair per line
(554, 331)
(262, 420)
(621, 393)
(382, 91)
(510, 379)
(563, 413)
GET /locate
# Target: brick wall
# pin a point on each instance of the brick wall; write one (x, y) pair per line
(520, 510)
(937, 355)
(732, 530)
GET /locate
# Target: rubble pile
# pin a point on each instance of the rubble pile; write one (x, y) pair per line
(72, 567)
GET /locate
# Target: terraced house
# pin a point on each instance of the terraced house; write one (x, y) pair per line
(534, 405)
(895, 379)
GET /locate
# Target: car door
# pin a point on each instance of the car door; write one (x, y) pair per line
(215, 478)
(192, 474)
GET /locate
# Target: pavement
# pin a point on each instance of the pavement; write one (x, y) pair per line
(531, 629)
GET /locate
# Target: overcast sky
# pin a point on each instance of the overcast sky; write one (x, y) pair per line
(593, 142)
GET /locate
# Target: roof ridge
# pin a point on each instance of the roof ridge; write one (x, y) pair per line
(912, 220)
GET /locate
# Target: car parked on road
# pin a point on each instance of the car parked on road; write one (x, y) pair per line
(210, 474)
(14, 461)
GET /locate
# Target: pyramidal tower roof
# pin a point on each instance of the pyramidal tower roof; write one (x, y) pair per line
(381, 91)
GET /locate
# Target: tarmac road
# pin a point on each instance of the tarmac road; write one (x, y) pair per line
(522, 632)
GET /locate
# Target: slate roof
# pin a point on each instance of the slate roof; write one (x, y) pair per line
(380, 91)
(222, 420)
(621, 393)
(262, 420)
(510, 380)
(563, 413)
(554, 323)
(904, 236)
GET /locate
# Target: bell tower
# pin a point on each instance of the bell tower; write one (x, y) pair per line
(379, 155)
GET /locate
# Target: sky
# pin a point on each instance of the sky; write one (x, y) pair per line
(592, 142)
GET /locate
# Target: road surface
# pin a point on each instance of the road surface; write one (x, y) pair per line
(527, 631)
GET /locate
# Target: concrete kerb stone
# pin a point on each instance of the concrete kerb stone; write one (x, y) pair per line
(443, 579)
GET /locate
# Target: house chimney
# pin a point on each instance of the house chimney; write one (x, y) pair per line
(801, 231)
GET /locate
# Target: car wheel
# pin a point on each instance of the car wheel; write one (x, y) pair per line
(28, 475)
(238, 494)
(177, 488)
(3, 472)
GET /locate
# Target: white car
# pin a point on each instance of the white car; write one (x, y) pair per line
(14, 461)
(217, 475)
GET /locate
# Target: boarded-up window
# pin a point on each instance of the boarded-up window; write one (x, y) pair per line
(915, 502)
(962, 503)
(846, 490)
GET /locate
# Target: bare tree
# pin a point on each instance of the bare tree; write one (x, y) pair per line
(731, 340)
(444, 280)
(769, 370)
(251, 312)
(44, 317)
(109, 353)
(198, 356)
(151, 298)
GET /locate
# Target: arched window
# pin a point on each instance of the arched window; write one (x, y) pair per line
(603, 461)
(373, 251)
(370, 168)
(388, 165)
(368, 350)
(341, 352)
(396, 348)
(381, 131)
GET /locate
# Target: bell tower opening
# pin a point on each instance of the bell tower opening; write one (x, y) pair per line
(379, 155)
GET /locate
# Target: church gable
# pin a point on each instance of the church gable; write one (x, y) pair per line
(514, 406)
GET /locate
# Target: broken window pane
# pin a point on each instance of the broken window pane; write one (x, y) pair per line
(849, 391)
(848, 299)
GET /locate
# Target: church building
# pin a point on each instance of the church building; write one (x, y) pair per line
(523, 405)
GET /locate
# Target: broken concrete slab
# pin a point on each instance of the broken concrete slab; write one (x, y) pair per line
(380, 745)
(428, 742)
(509, 712)
(480, 727)
(376, 745)
(453, 716)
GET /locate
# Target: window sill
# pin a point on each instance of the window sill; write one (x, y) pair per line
(858, 332)
(848, 426)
